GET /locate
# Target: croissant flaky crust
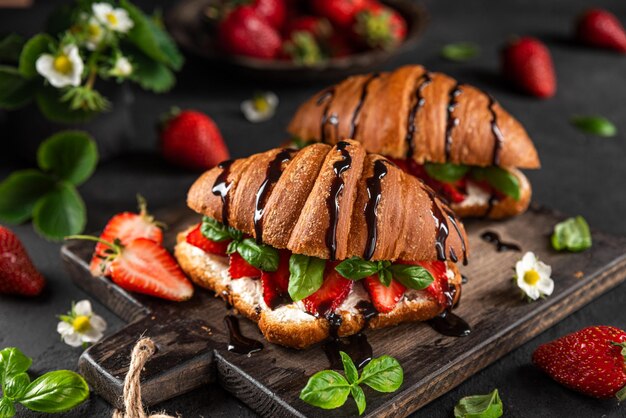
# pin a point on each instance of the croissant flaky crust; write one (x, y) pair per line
(331, 202)
(413, 113)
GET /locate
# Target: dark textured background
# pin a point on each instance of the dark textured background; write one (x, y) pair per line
(580, 175)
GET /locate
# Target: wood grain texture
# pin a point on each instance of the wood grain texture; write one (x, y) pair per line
(191, 338)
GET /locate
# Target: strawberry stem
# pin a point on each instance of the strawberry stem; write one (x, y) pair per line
(116, 248)
(623, 346)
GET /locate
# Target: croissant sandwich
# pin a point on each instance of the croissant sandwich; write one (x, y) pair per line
(320, 242)
(455, 137)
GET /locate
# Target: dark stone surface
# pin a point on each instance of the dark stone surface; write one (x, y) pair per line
(581, 175)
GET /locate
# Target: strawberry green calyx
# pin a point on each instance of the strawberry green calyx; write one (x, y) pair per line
(303, 48)
(142, 205)
(165, 118)
(376, 29)
(621, 394)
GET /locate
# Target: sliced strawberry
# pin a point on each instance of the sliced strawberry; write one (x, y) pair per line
(333, 292)
(452, 193)
(384, 298)
(144, 266)
(439, 286)
(238, 268)
(197, 239)
(276, 284)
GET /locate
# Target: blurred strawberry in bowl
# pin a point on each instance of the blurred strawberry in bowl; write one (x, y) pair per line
(378, 26)
(244, 32)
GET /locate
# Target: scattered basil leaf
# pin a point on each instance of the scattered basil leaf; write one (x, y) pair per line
(595, 125)
(20, 192)
(326, 389)
(71, 155)
(359, 398)
(349, 368)
(37, 45)
(260, 256)
(500, 179)
(356, 268)
(479, 406)
(12, 362)
(413, 277)
(216, 231)
(446, 172)
(61, 212)
(16, 385)
(572, 234)
(55, 391)
(7, 409)
(15, 90)
(11, 47)
(460, 51)
(383, 374)
(306, 276)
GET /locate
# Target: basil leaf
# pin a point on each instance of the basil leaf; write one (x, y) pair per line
(595, 125)
(385, 277)
(70, 155)
(32, 50)
(460, 51)
(500, 179)
(20, 192)
(216, 231)
(12, 362)
(359, 398)
(306, 275)
(349, 368)
(479, 406)
(356, 268)
(572, 234)
(413, 277)
(446, 172)
(11, 47)
(61, 212)
(55, 391)
(7, 409)
(16, 385)
(15, 90)
(326, 389)
(383, 374)
(260, 256)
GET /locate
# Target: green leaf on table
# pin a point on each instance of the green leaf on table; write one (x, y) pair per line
(479, 406)
(7, 409)
(326, 389)
(413, 277)
(572, 234)
(70, 155)
(150, 74)
(383, 374)
(15, 90)
(460, 51)
(502, 180)
(356, 268)
(55, 109)
(11, 47)
(12, 362)
(39, 44)
(359, 398)
(56, 391)
(349, 368)
(20, 192)
(306, 275)
(595, 125)
(15, 386)
(261, 256)
(446, 172)
(60, 213)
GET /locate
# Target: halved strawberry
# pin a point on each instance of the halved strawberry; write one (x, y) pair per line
(384, 298)
(125, 227)
(276, 284)
(440, 285)
(238, 268)
(144, 266)
(333, 292)
(197, 239)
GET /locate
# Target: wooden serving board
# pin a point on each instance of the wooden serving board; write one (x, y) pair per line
(192, 339)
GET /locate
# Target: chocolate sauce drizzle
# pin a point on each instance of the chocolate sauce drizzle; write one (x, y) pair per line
(237, 342)
(442, 231)
(497, 134)
(221, 187)
(328, 98)
(451, 121)
(374, 191)
(356, 346)
(419, 103)
(357, 110)
(274, 171)
(494, 238)
(458, 231)
(448, 323)
(332, 202)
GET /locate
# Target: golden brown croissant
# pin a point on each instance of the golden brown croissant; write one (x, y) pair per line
(420, 117)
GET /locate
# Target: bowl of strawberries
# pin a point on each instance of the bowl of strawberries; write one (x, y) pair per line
(297, 40)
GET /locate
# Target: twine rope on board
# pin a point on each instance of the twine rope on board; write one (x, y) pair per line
(143, 350)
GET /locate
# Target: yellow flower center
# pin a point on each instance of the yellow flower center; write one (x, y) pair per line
(112, 19)
(94, 30)
(62, 64)
(81, 324)
(260, 104)
(531, 277)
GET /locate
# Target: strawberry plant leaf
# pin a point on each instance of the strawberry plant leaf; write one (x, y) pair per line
(595, 125)
(15, 90)
(56, 391)
(20, 192)
(11, 47)
(306, 275)
(37, 45)
(460, 51)
(53, 108)
(60, 213)
(383, 374)
(151, 75)
(572, 234)
(479, 406)
(70, 155)
(326, 389)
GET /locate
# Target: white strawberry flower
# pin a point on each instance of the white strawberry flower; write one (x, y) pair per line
(533, 276)
(261, 107)
(63, 69)
(95, 34)
(122, 68)
(81, 326)
(116, 19)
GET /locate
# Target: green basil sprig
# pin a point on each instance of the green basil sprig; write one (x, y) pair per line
(460, 51)
(479, 406)
(502, 180)
(329, 390)
(446, 172)
(306, 276)
(572, 234)
(55, 391)
(413, 277)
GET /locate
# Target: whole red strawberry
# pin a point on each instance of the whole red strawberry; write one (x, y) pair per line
(527, 62)
(192, 140)
(245, 32)
(597, 27)
(590, 361)
(18, 275)
(379, 26)
(340, 12)
(318, 27)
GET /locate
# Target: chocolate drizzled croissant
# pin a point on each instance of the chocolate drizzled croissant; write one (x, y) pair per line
(332, 202)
